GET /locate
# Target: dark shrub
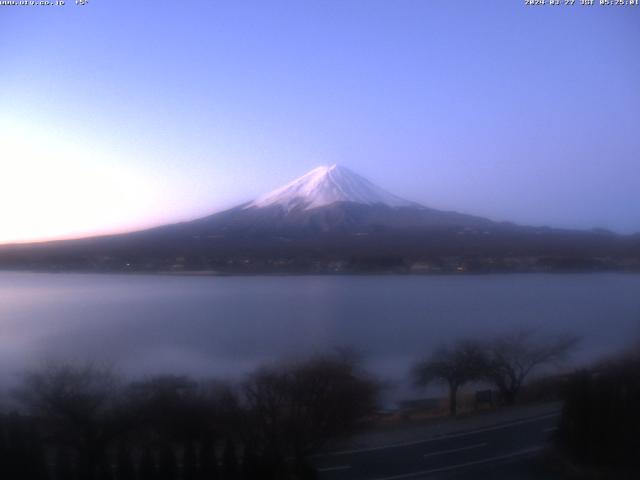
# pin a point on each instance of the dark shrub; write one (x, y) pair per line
(600, 423)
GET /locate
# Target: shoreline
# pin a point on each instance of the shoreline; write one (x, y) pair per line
(214, 273)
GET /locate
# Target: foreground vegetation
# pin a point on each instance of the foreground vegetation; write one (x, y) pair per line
(73, 422)
(503, 363)
(599, 431)
(82, 423)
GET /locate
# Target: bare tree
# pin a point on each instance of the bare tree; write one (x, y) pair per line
(455, 365)
(77, 405)
(512, 357)
(294, 409)
(332, 395)
(169, 406)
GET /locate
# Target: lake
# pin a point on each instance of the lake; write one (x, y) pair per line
(225, 326)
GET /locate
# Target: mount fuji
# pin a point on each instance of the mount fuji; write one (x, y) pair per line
(333, 220)
(326, 185)
(330, 199)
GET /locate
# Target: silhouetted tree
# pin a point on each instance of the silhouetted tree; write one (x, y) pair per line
(124, 463)
(189, 462)
(37, 468)
(4, 454)
(147, 469)
(168, 404)
(303, 470)
(600, 419)
(167, 463)
(294, 409)
(77, 405)
(251, 465)
(98, 430)
(64, 464)
(208, 461)
(21, 450)
(512, 357)
(230, 470)
(105, 469)
(455, 365)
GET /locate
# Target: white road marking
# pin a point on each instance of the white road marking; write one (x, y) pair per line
(333, 469)
(462, 465)
(453, 450)
(442, 437)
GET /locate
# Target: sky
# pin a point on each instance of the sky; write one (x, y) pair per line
(121, 115)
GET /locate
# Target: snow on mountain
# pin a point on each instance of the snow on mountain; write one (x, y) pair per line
(326, 185)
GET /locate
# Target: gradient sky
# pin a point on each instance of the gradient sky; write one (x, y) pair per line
(121, 115)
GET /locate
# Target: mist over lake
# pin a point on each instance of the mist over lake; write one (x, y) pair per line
(225, 326)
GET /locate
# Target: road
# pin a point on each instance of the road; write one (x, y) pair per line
(502, 451)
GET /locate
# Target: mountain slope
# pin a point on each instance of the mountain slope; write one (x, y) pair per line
(329, 199)
(332, 219)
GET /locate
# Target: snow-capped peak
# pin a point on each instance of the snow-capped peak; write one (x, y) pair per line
(326, 185)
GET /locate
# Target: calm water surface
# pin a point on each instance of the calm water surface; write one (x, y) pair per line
(224, 326)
